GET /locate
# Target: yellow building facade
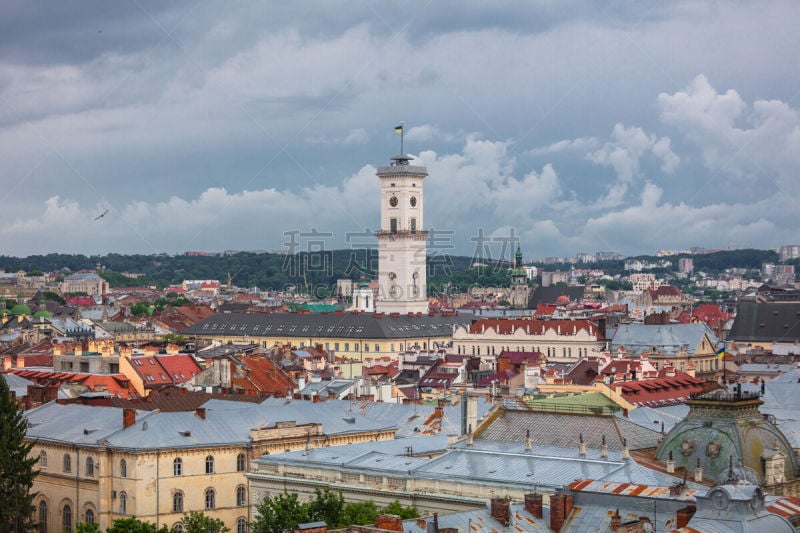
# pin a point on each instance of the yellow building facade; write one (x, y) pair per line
(99, 464)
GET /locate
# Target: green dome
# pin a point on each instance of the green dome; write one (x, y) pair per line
(42, 313)
(20, 309)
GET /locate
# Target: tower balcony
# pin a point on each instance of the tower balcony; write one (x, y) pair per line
(395, 170)
(402, 234)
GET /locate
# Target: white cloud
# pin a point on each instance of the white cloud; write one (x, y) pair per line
(758, 143)
(581, 144)
(626, 149)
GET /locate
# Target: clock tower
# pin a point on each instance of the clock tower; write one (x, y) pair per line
(402, 243)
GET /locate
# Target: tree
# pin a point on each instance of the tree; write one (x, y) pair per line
(87, 528)
(134, 525)
(396, 508)
(16, 466)
(198, 522)
(327, 507)
(280, 514)
(360, 513)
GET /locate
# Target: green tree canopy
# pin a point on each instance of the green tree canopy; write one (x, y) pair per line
(17, 470)
(134, 525)
(279, 514)
(197, 522)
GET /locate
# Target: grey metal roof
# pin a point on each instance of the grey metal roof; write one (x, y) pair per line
(73, 423)
(638, 338)
(772, 322)
(481, 521)
(410, 420)
(348, 325)
(492, 463)
(652, 417)
(230, 422)
(17, 384)
(556, 429)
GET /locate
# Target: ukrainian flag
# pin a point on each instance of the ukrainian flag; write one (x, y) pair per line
(398, 129)
(721, 353)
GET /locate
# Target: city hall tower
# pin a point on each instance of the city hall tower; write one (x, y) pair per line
(402, 244)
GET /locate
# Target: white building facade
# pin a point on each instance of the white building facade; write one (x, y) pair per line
(402, 245)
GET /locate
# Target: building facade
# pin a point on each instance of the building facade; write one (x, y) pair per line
(557, 340)
(99, 464)
(402, 243)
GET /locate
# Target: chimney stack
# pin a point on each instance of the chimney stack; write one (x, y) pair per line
(533, 504)
(469, 436)
(528, 441)
(604, 449)
(201, 412)
(581, 446)
(626, 453)
(501, 510)
(128, 417)
(670, 464)
(560, 508)
(698, 472)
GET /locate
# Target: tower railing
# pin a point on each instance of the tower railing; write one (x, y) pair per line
(402, 169)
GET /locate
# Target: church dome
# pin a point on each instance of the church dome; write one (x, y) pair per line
(20, 309)
(42, 313)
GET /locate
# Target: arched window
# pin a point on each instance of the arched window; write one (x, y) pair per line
(89, 466)
(209, 464)
(42, 516)
(123, 468)
(66, 518)
(178, 528)
(43, 459)
(240, 463)
(241, 496)
(67, 463)
(210, 499)
(177, 467)
(89, 517)
(241, 525)
(123, 503)
(177, 502)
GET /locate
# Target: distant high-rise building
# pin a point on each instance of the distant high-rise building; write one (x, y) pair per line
(789, 251)
(402, 244)
(685, 265)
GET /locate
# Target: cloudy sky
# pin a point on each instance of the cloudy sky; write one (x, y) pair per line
(235, 125)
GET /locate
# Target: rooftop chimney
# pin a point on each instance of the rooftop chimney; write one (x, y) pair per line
(201, 412)
(501, 510)
(581, 446)
(528, 441)
(560, 508)
(698, 472)
(604, 448)
(128, 417)
(533, 504)
(626, 453)
(670, 464)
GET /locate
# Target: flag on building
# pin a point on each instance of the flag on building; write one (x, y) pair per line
(721, 353)
(398, 129)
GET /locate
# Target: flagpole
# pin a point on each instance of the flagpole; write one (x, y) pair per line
(402, 133)
(724, 366)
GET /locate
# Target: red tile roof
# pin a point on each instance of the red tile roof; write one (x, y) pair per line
(661, 391)
(181, 368)
(114, 384)
(260, 376)
(506, 326)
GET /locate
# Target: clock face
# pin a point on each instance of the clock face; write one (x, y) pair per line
(413, 201)
(393, 201)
